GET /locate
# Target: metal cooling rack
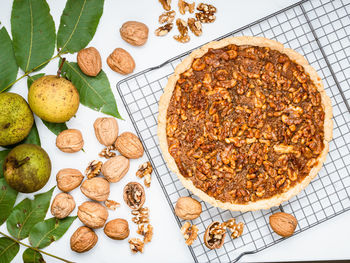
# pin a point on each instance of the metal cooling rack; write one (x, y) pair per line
(318, 29)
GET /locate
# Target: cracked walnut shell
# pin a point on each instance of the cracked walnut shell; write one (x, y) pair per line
(129, 145)
(135, 33)
(214, 236)
(92, 214)
(188, 208)
(106, 130)
(134, 195)
(62, 205)
(115, 168)
(68, 179)
(83, 239)
(96, 188)
(89, 61)
(121, 61)
(70, 141)
(117, 229)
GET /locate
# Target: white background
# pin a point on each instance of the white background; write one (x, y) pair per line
(329, 240)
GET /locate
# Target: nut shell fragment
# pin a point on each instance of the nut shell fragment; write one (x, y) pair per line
(129, 145)
(96, 188)
(134, 195)
(92, 214)
(62, 205)
(188, 208)
(68, 179)
(115, 168)
(106, 130)
(83, 239)
(214, 236)
(117, 229)
(283, 224)
(70, 141)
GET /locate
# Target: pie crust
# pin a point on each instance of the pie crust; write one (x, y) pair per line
(242, 41)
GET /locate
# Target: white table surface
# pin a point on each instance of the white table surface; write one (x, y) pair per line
(329, 240)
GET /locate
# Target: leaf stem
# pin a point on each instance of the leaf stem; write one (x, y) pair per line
(37, 250)
(30, 71)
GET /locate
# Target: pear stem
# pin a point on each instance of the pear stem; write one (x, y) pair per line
(37, 250)
(60, 68)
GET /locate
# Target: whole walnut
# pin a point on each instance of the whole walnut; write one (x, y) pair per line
(96, 188)
(129, 145)
(83, 239)
(117, 229)
(89, 61)
(70, 141)
(188, 208)
(115, 168)
(135, 33)
(62, 205)
(92, 214)
(121, 61)
(68, 179)
(106, 130)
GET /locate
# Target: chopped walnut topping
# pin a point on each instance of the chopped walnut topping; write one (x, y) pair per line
(144, 169)
(206, 14)
(136, 245)
(163, 30)
(183, 30)
(166, 4)
(93, 169)
(236, 229)
(190, 233)
(167, 17)
(195, 26)
(245, 123)
(106, 152)
(185, 7)
(147, 232)
(141, 216)
(113, 205)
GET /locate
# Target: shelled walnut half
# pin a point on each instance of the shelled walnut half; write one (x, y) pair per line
(166, 4)
(185, 7)
(146, 232)
(134, 195)
(236, 229)
(206, 13)
(141, 216)
(183, 30)
(167, 17)
(93, 169)
(163, 30)
(195, 26)
(136, 245)
(214, 236)
(190, 233)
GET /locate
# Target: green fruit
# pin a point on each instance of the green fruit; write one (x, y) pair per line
(53, 99)
(27, 168)
(16, 118)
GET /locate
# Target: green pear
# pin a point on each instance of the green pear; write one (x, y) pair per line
(27, 168)
(53, 99)
(16, 118)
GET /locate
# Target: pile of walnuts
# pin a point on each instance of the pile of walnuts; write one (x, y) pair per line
(96, 186)
(205, 14)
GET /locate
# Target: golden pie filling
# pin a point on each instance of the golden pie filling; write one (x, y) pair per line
(245, 123)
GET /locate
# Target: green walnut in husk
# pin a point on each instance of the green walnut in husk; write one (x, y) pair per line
(27, 168)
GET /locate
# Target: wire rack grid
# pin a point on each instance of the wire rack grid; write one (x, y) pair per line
(318, 29)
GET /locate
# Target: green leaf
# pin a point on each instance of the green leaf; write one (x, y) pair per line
(32, 256)
(95, 92)
(7, 200)
(3, 155)
(33, 32)
(8, 249)
(8, 64)
(78, 24)
(48, 231)
(33, 136)
(56, 128)
(27, 213)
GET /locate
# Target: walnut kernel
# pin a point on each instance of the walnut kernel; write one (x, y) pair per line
(190, 233)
